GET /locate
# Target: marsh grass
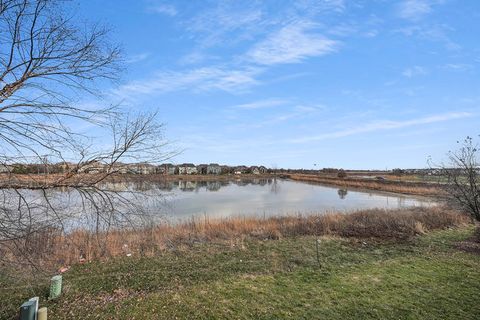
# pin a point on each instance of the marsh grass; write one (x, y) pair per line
(405, 187)
(56, 249)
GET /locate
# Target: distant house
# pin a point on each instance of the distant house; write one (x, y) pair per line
(93, 167)
(166, 169)
(141, 168)
(254, 170)
(146, 168)
(214, 168)
(226, 169)
(240, 170)
(120, 167)
(202, 168)
(262, 169)
(187, 168)
(5, 168)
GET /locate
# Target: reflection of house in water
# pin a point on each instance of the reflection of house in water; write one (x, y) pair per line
(115, 186)
(401, 202)
(201, 184)
(262, 182)
(342, 193)
(275, 188)
(165, 185)
(224, 183)
(241, 182)
(187, 185)
(142, 186)
(213, 185)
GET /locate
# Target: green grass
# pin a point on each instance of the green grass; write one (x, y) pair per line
(426, 278)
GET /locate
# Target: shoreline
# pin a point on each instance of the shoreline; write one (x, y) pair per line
(429, 190)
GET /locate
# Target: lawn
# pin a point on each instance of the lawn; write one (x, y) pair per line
(423, 278)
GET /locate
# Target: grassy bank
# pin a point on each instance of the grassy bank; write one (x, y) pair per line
(369, 264)
(397, 186)
(425, 277)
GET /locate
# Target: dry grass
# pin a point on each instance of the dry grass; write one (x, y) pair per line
(414, 188)
(378, 223)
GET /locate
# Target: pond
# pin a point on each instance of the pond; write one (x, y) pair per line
(181, 200)
(269, 197)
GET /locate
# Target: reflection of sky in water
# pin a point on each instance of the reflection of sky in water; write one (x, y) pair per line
(182, 200)
(268, 198)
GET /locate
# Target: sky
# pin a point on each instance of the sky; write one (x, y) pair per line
(354, 84)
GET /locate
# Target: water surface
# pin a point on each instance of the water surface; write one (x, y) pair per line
(267, 197)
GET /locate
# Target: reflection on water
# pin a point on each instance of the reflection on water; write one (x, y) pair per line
(263, 197)
(342, 193)
(184, 199)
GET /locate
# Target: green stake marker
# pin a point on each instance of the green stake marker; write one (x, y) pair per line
(55, 287)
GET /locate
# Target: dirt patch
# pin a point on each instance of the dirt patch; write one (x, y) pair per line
(470, 245)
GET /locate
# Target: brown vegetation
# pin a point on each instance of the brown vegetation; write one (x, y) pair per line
(82, 245)
(414, 188)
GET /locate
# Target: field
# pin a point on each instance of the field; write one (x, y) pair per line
(364, 275)
(387, 183)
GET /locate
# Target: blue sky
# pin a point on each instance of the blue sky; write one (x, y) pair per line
(336, 83)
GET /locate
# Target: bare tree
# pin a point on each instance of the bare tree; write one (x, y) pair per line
(463, 178)
(48, 62)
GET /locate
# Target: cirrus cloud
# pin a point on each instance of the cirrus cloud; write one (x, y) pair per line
(292, 44)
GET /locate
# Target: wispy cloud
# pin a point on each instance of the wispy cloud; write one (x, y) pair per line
(137, 57)
(201, 79)
(414, 9)
(166, 9)
(458, 66)
(228, 21)
(261, 104)
(414, 71)
(433, 32)
(291, 44)
(321, 6)
(382, 125)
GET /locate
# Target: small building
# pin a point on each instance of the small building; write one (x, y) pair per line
(187, 168)
(202, 168)
(93, 167)
(254, 170)
(119, 167)
(141, 168)
(166, 169)
(241, 170)
(4, 168)
(263, 169)
(214, 168)
(226, 169)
